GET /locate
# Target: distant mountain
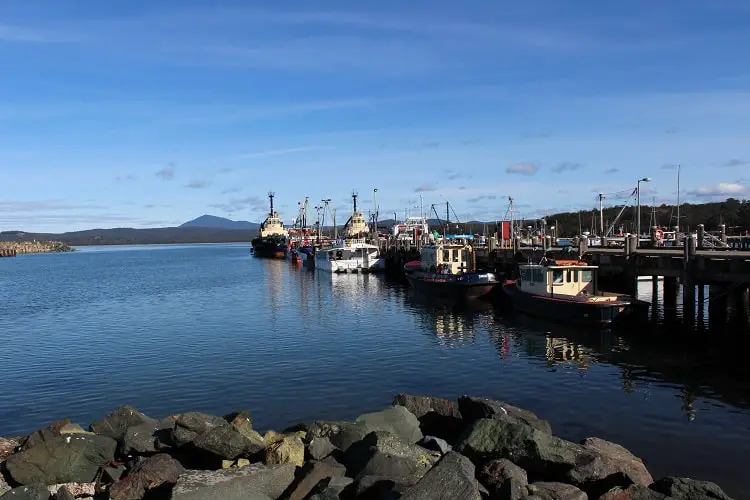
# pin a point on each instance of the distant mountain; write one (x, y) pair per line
(129, 236)
(215, 222)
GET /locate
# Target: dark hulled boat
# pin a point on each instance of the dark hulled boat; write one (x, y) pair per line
(273, 239)
(449, 270)
(566, 291)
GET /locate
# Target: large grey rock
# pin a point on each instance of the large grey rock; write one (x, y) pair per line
(116, 424)
(397, 420)
(310, 476)
(7, 447)
(419, 406)
(320, 447)
(4, 486)
(30, 492)
(504, 479)
(227, 443)
(144, 439)
(57, 429)
(62, 459)
(451, 479)
(683, 488)
(190, 425)
(633, 492)
(333, 489)
(604, 465)
(377, 488)
(384, 455)
(541, 454)
(157, 472)
(254, 482)
(472, 409)
(435, 444)
(556, 491)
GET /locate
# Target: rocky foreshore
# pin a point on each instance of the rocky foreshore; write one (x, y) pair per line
(12, 248)
(421, 448)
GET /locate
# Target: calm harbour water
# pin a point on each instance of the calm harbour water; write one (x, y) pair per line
(207, 327)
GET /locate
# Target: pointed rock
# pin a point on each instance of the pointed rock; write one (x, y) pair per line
(451, 479)
(30, 492)
(227, 443)
(633, 492)
(310, 476)
(397, 420)
(504, 479)
(419, 406)
(472, 409)
(556, 491)
(158, 472)
(604, 465)
(683, 488)
(290, 450)
(62, 459)
(255, 482)
(116, 424)
(190, 425)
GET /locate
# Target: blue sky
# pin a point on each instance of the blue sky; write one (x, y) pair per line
(139, 114)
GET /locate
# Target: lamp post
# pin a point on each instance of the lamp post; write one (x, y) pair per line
(638, 204)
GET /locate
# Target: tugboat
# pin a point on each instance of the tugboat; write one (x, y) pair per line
(272, 239)
(566, 290)
(448, 269)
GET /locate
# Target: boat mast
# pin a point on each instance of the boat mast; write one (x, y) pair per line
(601, 214)
(271, 194)
(678, 202)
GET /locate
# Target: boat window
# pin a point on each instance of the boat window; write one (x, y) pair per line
(575, 276)
(587, 276)
(538, 275)
(569, 277)
(557, 276)
(446, 255)
(525, 274)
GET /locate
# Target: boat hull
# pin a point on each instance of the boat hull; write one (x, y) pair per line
(350, 266)
(463, 287)
(269, 248)
(599, 314)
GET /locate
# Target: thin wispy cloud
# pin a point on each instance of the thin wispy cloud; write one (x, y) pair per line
(275, 152)
(125, 178)
(611, 171)
(669, 166)
(566, 166)
(45, 206)
(522, 168)
(231, 190)
(19, 34)
(425, 188)
(736, 162)
(197, 184)
(248, 204)
(166, 173)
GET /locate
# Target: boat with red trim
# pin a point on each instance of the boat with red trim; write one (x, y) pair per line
(448, 269)
(567, 291)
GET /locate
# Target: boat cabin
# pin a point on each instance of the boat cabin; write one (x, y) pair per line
(350, 249)
(272, 226)
(357, 226)
(448, 258)
(562, 278)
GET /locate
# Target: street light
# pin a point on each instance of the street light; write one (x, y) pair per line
(638, 211)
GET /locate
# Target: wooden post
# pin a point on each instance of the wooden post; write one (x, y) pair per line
(701, 307)
(583, 247)
(688, 281)
(670, 299)
(723, 229)
(701, 235)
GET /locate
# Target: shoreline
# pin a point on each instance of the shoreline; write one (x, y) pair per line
(15, 248)
(420, 448)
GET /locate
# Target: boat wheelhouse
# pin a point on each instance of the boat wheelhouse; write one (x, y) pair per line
(568, 291)
(449, 268)
(356, 227)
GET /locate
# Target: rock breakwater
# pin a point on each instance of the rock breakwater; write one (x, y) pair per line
(420, 448)
(13, 248)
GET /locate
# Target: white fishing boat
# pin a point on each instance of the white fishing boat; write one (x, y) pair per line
(353, 255)
(411, 229)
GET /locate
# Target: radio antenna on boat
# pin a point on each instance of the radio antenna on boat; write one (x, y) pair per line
(271, 195)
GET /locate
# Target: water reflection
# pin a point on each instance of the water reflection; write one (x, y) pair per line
(452, 324)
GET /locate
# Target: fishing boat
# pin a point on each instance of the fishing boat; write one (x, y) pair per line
(352, 255)
(448, 269)
(566, 290)
(272, 239)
